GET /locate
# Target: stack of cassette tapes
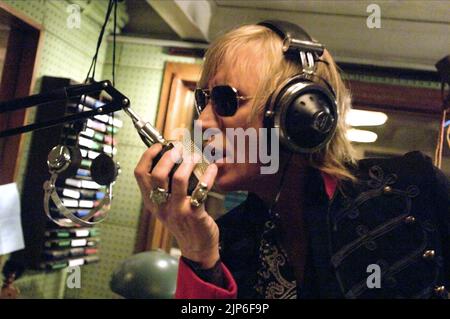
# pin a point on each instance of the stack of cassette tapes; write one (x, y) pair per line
(67, 247)
(47, 245)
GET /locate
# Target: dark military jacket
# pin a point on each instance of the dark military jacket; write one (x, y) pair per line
(385, 236)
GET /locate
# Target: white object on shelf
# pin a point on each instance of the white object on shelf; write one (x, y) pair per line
(76, 262)
(11, 235)
(78, 242)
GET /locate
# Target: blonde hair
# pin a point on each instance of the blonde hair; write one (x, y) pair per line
(273, 70)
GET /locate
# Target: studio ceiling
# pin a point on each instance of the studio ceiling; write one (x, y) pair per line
(413, 34)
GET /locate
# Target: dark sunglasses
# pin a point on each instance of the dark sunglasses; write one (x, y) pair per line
(224, 99)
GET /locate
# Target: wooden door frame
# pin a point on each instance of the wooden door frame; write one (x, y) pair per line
(18, 80)
(151, 233)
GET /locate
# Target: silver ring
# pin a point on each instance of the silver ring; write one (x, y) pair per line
(199, 194)
(159, 195)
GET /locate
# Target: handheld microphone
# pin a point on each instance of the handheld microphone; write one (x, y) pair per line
(151, 135)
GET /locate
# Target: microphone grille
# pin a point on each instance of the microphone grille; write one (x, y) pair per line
(191, 147)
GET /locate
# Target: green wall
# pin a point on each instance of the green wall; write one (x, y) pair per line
(66, 52)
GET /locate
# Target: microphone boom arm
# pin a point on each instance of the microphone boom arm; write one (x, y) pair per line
(147, 132)
(119, 102)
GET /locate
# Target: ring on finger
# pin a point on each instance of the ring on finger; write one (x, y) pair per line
(159, 195)
(199, 194)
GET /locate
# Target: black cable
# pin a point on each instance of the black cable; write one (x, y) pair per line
(114, 45)
(281, 184)
(111, 5)
(99, 41)
(97, 49)
(100, 38)
(114, 71)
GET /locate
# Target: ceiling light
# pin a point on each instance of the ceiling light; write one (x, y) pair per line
(361, 136)
(365, 118)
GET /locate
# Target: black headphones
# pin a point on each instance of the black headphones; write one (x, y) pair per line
(303, 107)
(64, 161)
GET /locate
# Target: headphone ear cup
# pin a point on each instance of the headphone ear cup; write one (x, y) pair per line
(75, 156)
(104, 170)
(64, 160)
(306, 113)
(309, 122)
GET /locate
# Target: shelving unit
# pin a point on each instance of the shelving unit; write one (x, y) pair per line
(48, 246)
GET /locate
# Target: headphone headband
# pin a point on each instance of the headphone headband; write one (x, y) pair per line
(295, 39)
(303, 107)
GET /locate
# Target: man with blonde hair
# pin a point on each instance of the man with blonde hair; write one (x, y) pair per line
(324, 225)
